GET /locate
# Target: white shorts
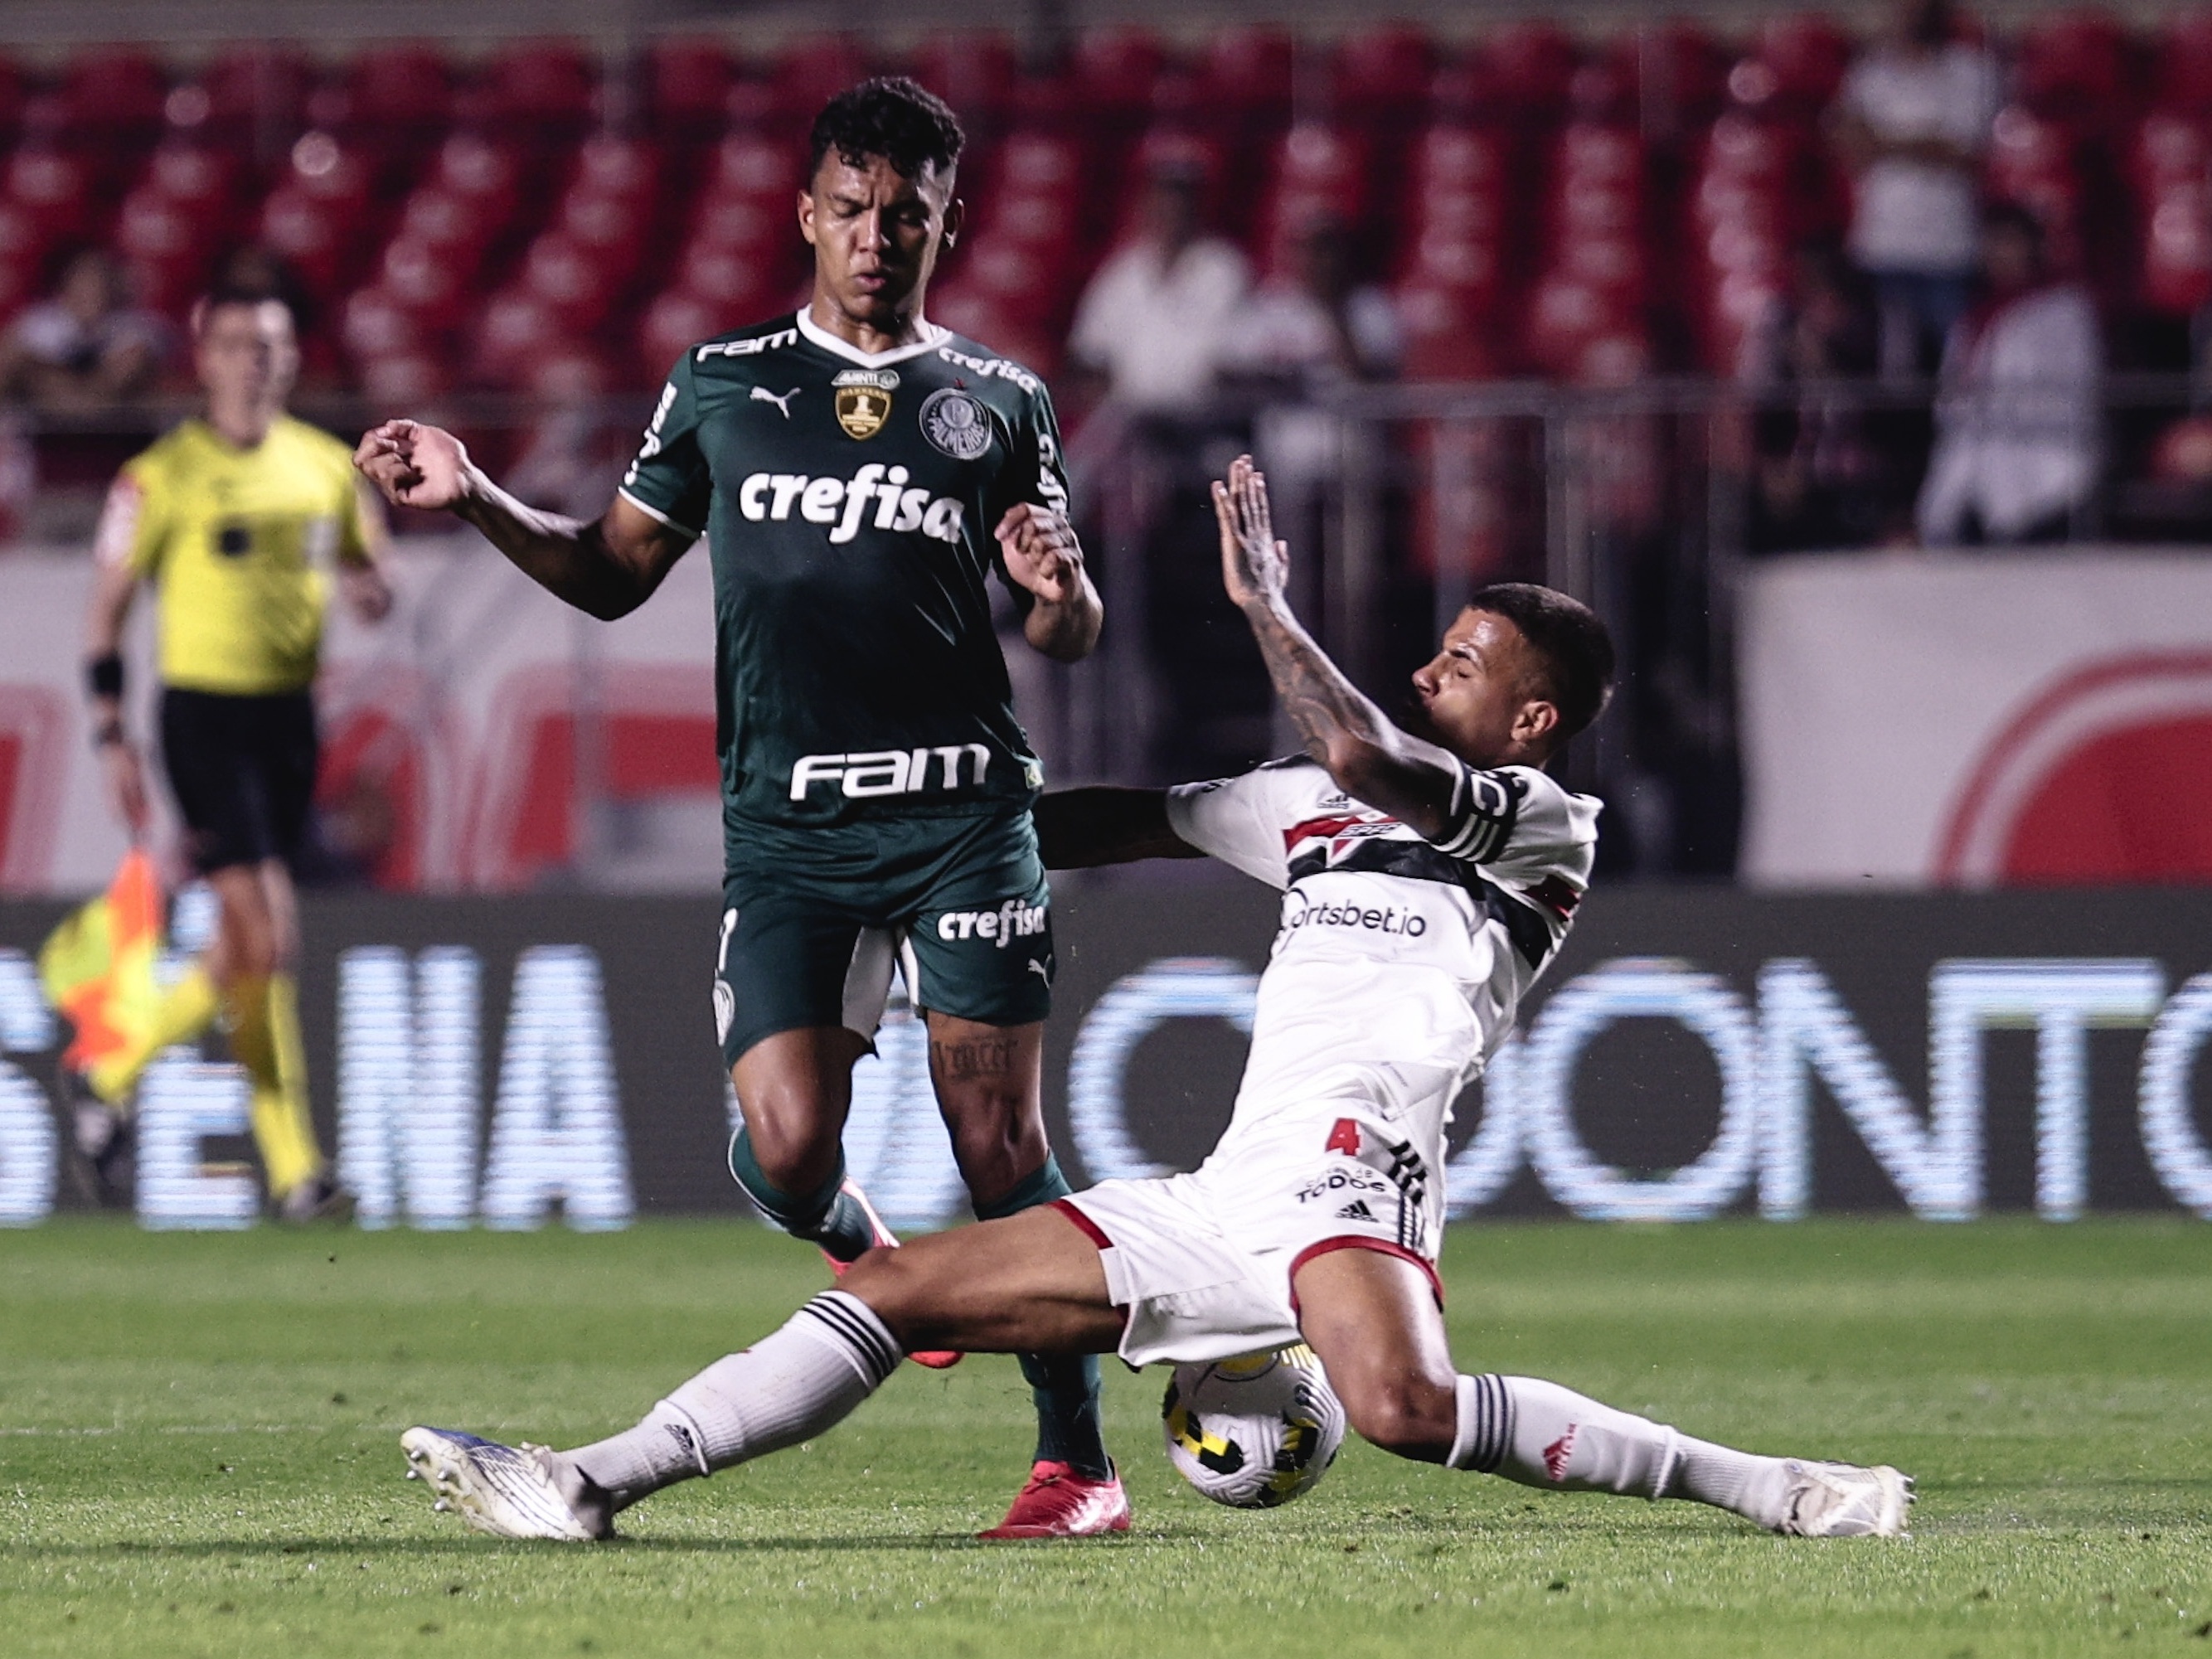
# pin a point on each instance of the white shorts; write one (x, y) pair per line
(1202, 1263)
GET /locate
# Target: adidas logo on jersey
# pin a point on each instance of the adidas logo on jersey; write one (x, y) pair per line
(1356, 1211)
(843, 505)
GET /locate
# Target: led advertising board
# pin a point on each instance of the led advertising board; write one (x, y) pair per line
(516, 1062)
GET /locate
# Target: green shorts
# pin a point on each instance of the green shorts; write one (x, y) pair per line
(959, 906)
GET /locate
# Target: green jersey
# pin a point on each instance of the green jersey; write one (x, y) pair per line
(848, 501)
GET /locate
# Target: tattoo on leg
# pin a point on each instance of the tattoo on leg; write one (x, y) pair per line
(972, 1057)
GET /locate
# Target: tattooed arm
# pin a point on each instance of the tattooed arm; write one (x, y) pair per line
(1370, 759)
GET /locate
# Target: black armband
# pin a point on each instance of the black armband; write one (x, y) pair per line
(103, 675)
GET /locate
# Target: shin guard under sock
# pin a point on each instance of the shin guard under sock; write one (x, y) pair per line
(1064, 1386)
(788, 1387)
(1540, 1434)
(829, 1216)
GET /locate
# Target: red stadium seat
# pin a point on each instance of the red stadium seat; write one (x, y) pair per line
(448, 226)
(608, 165)
(547, 85)
(113, 90)
(1447, 332)
(256, 93)
(976, 73)
(813, 69)
(484, 176)
(51, 187)
(1531, 63)
(400, 88)
(570, 278)
(2073, 67)
(402, 381)
(2182, 60)
(167, 249)
(744, 225)
(1678, 70)
(1038, 163)
(1381, 76)
(324, 170)
(1246, 72)
(1806, 56)
(612, 230)
(672, 324)
(1580, 331)
(734, 283)
(195, 177)
(515, 326)
(749, 167)
(691, 79)
(431, 289)
(1116, 71)
(2032, 161)
(2170, 167)
(374, 324)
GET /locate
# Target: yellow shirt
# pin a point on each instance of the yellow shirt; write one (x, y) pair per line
(235, 540)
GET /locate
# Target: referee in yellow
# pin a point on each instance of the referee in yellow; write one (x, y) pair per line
(234, 516)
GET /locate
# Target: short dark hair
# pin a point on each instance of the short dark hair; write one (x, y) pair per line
(1566, 633)
(225, 294)
(892, 117)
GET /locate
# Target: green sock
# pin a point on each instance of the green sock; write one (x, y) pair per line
(1064, 1386)
(828, 1216)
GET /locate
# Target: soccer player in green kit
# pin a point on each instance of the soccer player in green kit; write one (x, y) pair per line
(859, 473)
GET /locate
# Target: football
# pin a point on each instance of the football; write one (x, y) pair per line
(1254, 1431)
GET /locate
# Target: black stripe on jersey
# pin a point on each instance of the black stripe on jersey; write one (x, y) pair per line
(1416, 861)
(1485, 807)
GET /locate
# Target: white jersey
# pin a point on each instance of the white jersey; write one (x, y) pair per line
(1401, 961)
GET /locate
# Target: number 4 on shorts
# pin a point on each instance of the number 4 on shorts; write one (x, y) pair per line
(1344, 1137)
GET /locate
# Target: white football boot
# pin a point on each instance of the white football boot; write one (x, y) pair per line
(1841, 1500)
(508, 1491)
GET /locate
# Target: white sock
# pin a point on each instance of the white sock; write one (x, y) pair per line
(788, 1387)
(1542, 1435)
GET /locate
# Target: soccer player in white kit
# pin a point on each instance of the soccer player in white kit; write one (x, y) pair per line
(1426, 883)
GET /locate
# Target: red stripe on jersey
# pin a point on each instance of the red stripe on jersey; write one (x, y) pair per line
(1313, 829)
(1084, 1224)
(1556, 893)
(1361, 1241)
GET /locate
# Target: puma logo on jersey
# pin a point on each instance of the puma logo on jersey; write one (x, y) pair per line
(843, 505)
(888, 771)
(763, 395)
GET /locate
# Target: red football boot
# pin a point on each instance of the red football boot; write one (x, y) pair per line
(935, 1359)
(1058, 1502)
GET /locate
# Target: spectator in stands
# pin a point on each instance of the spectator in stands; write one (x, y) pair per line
(1314, 326)
(1819, 479)
(87, 346)
(2017, 423)
(1912, 120)
(1155, 318)
(1302, 332)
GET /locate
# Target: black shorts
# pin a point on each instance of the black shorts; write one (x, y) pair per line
(243, 770)
(959, 907)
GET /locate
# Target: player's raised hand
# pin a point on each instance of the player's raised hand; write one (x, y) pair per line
(413, 464)
(1254, 566)
(1042, 552)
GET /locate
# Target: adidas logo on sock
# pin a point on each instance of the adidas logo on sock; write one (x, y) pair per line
(1356, 1211)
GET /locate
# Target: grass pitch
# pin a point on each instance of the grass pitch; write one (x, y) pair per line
(197, 1456)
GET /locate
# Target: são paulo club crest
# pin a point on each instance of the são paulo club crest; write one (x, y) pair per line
(956, 424)
(864, 399)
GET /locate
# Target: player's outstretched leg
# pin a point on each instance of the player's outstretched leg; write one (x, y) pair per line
(1373, 1320)
(1002, 1288)
(790, 1386)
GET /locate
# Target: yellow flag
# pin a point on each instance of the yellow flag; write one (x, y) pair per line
(98, 966)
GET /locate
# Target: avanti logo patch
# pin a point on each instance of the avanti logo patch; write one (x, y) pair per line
(864, 399)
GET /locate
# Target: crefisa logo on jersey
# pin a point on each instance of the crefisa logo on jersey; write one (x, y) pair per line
(864, 399)
(956, 424)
